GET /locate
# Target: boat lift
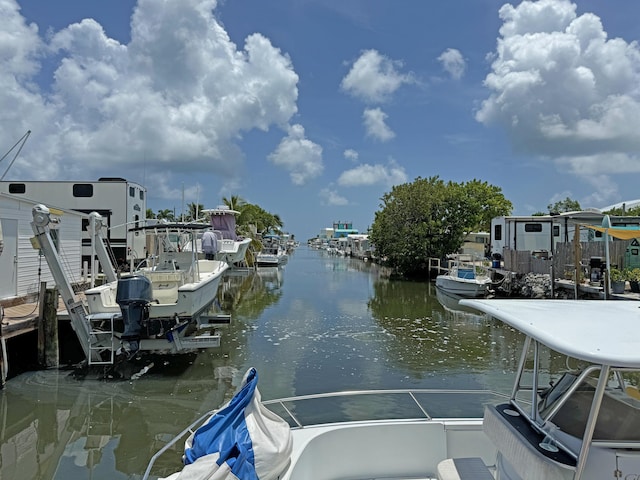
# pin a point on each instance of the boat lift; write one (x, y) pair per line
(98, 338)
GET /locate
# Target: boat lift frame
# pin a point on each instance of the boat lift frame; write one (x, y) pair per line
(90, 329)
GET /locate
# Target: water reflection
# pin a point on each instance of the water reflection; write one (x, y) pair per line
(321, 323)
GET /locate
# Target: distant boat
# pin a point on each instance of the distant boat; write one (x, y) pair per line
(231, 248)
(465, 277)
(273, 253)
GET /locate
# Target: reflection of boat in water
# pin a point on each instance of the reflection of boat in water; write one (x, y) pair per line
(583, 425)
(271, 277)
(451, 303)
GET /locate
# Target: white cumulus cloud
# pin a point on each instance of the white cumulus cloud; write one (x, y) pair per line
(177, 97)
(299, 155)
(374, 77)
(351, 154)
(375, 125)
(365, 175)
(562, 89)
(331, 197)
(453, 62)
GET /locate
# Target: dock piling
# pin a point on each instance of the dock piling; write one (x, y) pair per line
(48, 354)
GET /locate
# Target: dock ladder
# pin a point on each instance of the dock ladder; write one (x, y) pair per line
(101, 338)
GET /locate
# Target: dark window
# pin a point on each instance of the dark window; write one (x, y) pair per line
(83, 190)
(598, 234)
(85, 224)
(497, 232)
(141, 195)
(556, 230)
(132, 192)
(137, 220)
(532, 227)
(17, 188)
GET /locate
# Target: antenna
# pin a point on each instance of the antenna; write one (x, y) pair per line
(20, 142)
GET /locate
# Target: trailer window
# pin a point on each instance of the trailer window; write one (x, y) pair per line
(497, 232)
(532, 227)
(83, 190)
(556, 230)
(17, 188)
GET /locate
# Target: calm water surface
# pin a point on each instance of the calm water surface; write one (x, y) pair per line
(320, 323)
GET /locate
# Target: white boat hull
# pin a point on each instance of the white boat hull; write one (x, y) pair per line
(464, 287)
(232, 251)
(185, 300)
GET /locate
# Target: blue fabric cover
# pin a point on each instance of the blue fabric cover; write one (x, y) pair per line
(226, 432)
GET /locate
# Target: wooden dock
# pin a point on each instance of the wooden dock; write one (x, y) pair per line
(23, 318)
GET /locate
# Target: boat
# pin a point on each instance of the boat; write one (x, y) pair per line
(159, 308)
(182, 284)
(573, 413)
(272, 254)
(231, 248)
(466, 277)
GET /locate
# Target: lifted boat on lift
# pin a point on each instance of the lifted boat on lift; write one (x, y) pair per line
(130, 328)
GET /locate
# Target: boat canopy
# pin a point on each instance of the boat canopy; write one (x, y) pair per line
(223, 220)
(601, 332)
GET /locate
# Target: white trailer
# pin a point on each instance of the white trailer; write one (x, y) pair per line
(21, 267)
(121, 203)
(541, 233)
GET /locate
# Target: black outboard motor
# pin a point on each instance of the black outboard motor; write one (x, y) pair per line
(133, 295)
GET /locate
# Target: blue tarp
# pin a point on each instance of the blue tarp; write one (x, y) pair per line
(243, 440)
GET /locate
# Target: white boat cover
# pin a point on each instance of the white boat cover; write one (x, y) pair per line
(597, 331)
(242, 440)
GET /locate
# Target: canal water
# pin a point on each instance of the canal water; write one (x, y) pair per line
(320, 323)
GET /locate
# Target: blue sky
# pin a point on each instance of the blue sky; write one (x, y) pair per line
(314, 109)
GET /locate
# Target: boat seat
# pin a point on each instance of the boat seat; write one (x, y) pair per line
(471, 468)
(527, 460)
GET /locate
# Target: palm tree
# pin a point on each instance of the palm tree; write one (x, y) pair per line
(194, 211)
(149, 213)
(235, 202)
(165, 214)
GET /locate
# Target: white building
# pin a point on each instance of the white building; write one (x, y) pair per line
(21, 265)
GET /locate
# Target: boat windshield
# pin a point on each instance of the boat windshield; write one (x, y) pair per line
(619, 417)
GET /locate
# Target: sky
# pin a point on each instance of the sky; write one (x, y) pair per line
(314, 109)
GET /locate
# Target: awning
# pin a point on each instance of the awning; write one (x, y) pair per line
(623, 233)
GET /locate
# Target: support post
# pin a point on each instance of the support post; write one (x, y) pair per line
(48, 355)
(4, 365)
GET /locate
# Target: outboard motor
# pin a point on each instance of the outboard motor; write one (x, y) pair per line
(133, 295)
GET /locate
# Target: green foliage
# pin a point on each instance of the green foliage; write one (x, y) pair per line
(616, 275)
(149, 213)
(566, 205)
(632, 274)
(623, 212)
(235, 202)
(194, 212)
(430, 218)
(165, 214)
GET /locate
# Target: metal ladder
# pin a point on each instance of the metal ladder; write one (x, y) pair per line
(101, 338)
